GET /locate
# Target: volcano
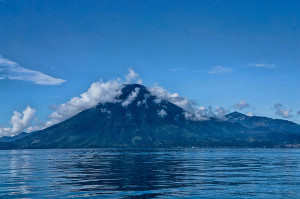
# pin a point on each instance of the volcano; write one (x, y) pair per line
(138, 118)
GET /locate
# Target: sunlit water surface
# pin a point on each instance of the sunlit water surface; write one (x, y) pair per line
(150, 173)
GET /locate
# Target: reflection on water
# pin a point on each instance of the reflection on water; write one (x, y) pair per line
(148, 173)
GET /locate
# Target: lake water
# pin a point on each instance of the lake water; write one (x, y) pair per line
(150, 173)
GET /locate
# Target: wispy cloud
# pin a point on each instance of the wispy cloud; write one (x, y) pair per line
(282, 111)
(242, 105)
(176, 69)
(221, 112)
(13, 71)
(262, 65)
(219, 70)
(175, 98)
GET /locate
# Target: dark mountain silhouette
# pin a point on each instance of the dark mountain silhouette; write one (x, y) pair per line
(146, 122)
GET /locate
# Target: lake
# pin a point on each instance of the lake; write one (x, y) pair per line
(150, 173)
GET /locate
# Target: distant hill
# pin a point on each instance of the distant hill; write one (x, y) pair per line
(13, 138)
(263, 123)
(145, 121)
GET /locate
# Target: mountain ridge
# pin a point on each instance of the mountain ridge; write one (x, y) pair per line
(13, 138)
(261, 121)
(140, 119)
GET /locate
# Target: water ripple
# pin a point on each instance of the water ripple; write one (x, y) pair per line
(150, 173)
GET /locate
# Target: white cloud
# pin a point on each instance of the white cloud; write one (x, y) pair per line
(204, 112)
(33, 128)
(104, 110)
(199, 114)
(191, 112)
(250, 114)
(19, 122)
(139, 81)
(242, 105)
(189, 116)
(262, 65)
(182, 102)
(221, 112)
(282, 111)
(132, 76)
(162, 113)
(220, 70)
(13, 71)
(131, 97)
(157, 100)
(99, 92)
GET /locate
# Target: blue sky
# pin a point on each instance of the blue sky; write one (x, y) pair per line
(215, 52)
